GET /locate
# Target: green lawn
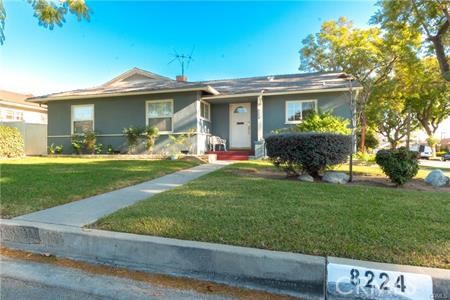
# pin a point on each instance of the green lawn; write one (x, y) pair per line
(32, 184)
(371, 223)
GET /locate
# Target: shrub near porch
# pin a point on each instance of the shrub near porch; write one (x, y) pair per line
(233, 206)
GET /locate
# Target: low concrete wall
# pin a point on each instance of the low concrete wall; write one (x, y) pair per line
(276, 272)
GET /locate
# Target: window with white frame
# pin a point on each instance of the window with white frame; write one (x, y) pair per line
(160, 115)
(205, 110)
(296, 111)
(82, 118)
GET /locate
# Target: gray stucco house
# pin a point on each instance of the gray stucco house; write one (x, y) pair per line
(243, 111)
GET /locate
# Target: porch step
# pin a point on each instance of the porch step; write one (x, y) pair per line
(232, 155)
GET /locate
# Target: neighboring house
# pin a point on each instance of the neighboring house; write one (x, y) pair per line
(14, 108)
(242, 111)
(29, 118)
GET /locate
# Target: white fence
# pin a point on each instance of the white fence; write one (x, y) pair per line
(34, 136)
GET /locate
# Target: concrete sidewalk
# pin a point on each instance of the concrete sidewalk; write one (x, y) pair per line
(86, 211)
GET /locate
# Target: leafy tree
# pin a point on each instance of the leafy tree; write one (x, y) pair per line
(429, 95)
(389, 113)
(421, 17)
(366, 54)
(324, 122)
(50, 13)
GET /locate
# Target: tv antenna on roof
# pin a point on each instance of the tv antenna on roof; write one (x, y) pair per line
(183, 59)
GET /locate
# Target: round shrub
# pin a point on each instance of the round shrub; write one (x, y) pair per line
(400, 165)
(308, 152)
(11, 142)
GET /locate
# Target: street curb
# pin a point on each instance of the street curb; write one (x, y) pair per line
(272, 271)
(284, 273)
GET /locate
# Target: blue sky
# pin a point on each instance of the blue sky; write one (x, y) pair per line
(231, 39)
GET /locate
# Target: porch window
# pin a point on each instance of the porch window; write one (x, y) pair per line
(205, 110)
(160, 115)
(82, 118)
(296, 111)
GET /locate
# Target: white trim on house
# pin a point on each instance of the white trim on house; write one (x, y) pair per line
(162, 117)
(135, 71)
(209, 111)
(121, 134)
(207, 89)
(24, 106)
(286, 118)
(72, 118)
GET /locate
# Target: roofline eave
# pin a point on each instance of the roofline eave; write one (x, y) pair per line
(207, 89)
(266, 93)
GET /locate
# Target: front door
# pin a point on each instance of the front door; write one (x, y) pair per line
(240, 126)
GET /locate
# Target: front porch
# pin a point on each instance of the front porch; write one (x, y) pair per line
(233, 154)
(238, 121)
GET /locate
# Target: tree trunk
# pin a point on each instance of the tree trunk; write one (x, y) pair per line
(441, 56)
(432, 143)
(362, 142)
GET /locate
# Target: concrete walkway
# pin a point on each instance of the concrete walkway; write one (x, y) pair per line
(89, 210)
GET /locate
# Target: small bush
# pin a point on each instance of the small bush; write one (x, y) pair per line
(98, 148)
(77, 143)
(308, 152)
(110, 149)
(151, 133)
(90, 138)
(11, 142)
(132, 134)
(365, 157)
(59, 149)
(400, 165)
(324, 122)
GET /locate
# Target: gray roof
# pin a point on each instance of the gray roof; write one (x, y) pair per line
(157, 83)
(280, 83)
(128, 87)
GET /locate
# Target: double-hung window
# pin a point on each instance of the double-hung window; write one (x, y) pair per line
(82, 118)
(159, 114)
(205, 110)
(298, 110)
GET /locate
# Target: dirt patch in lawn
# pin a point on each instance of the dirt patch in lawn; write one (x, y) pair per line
(358, 179)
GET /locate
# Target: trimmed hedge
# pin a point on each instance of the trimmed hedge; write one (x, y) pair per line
(11, 142)
(308, 152)
(400, 165)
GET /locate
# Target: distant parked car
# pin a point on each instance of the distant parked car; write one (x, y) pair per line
(423, 151)
(446, 156)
